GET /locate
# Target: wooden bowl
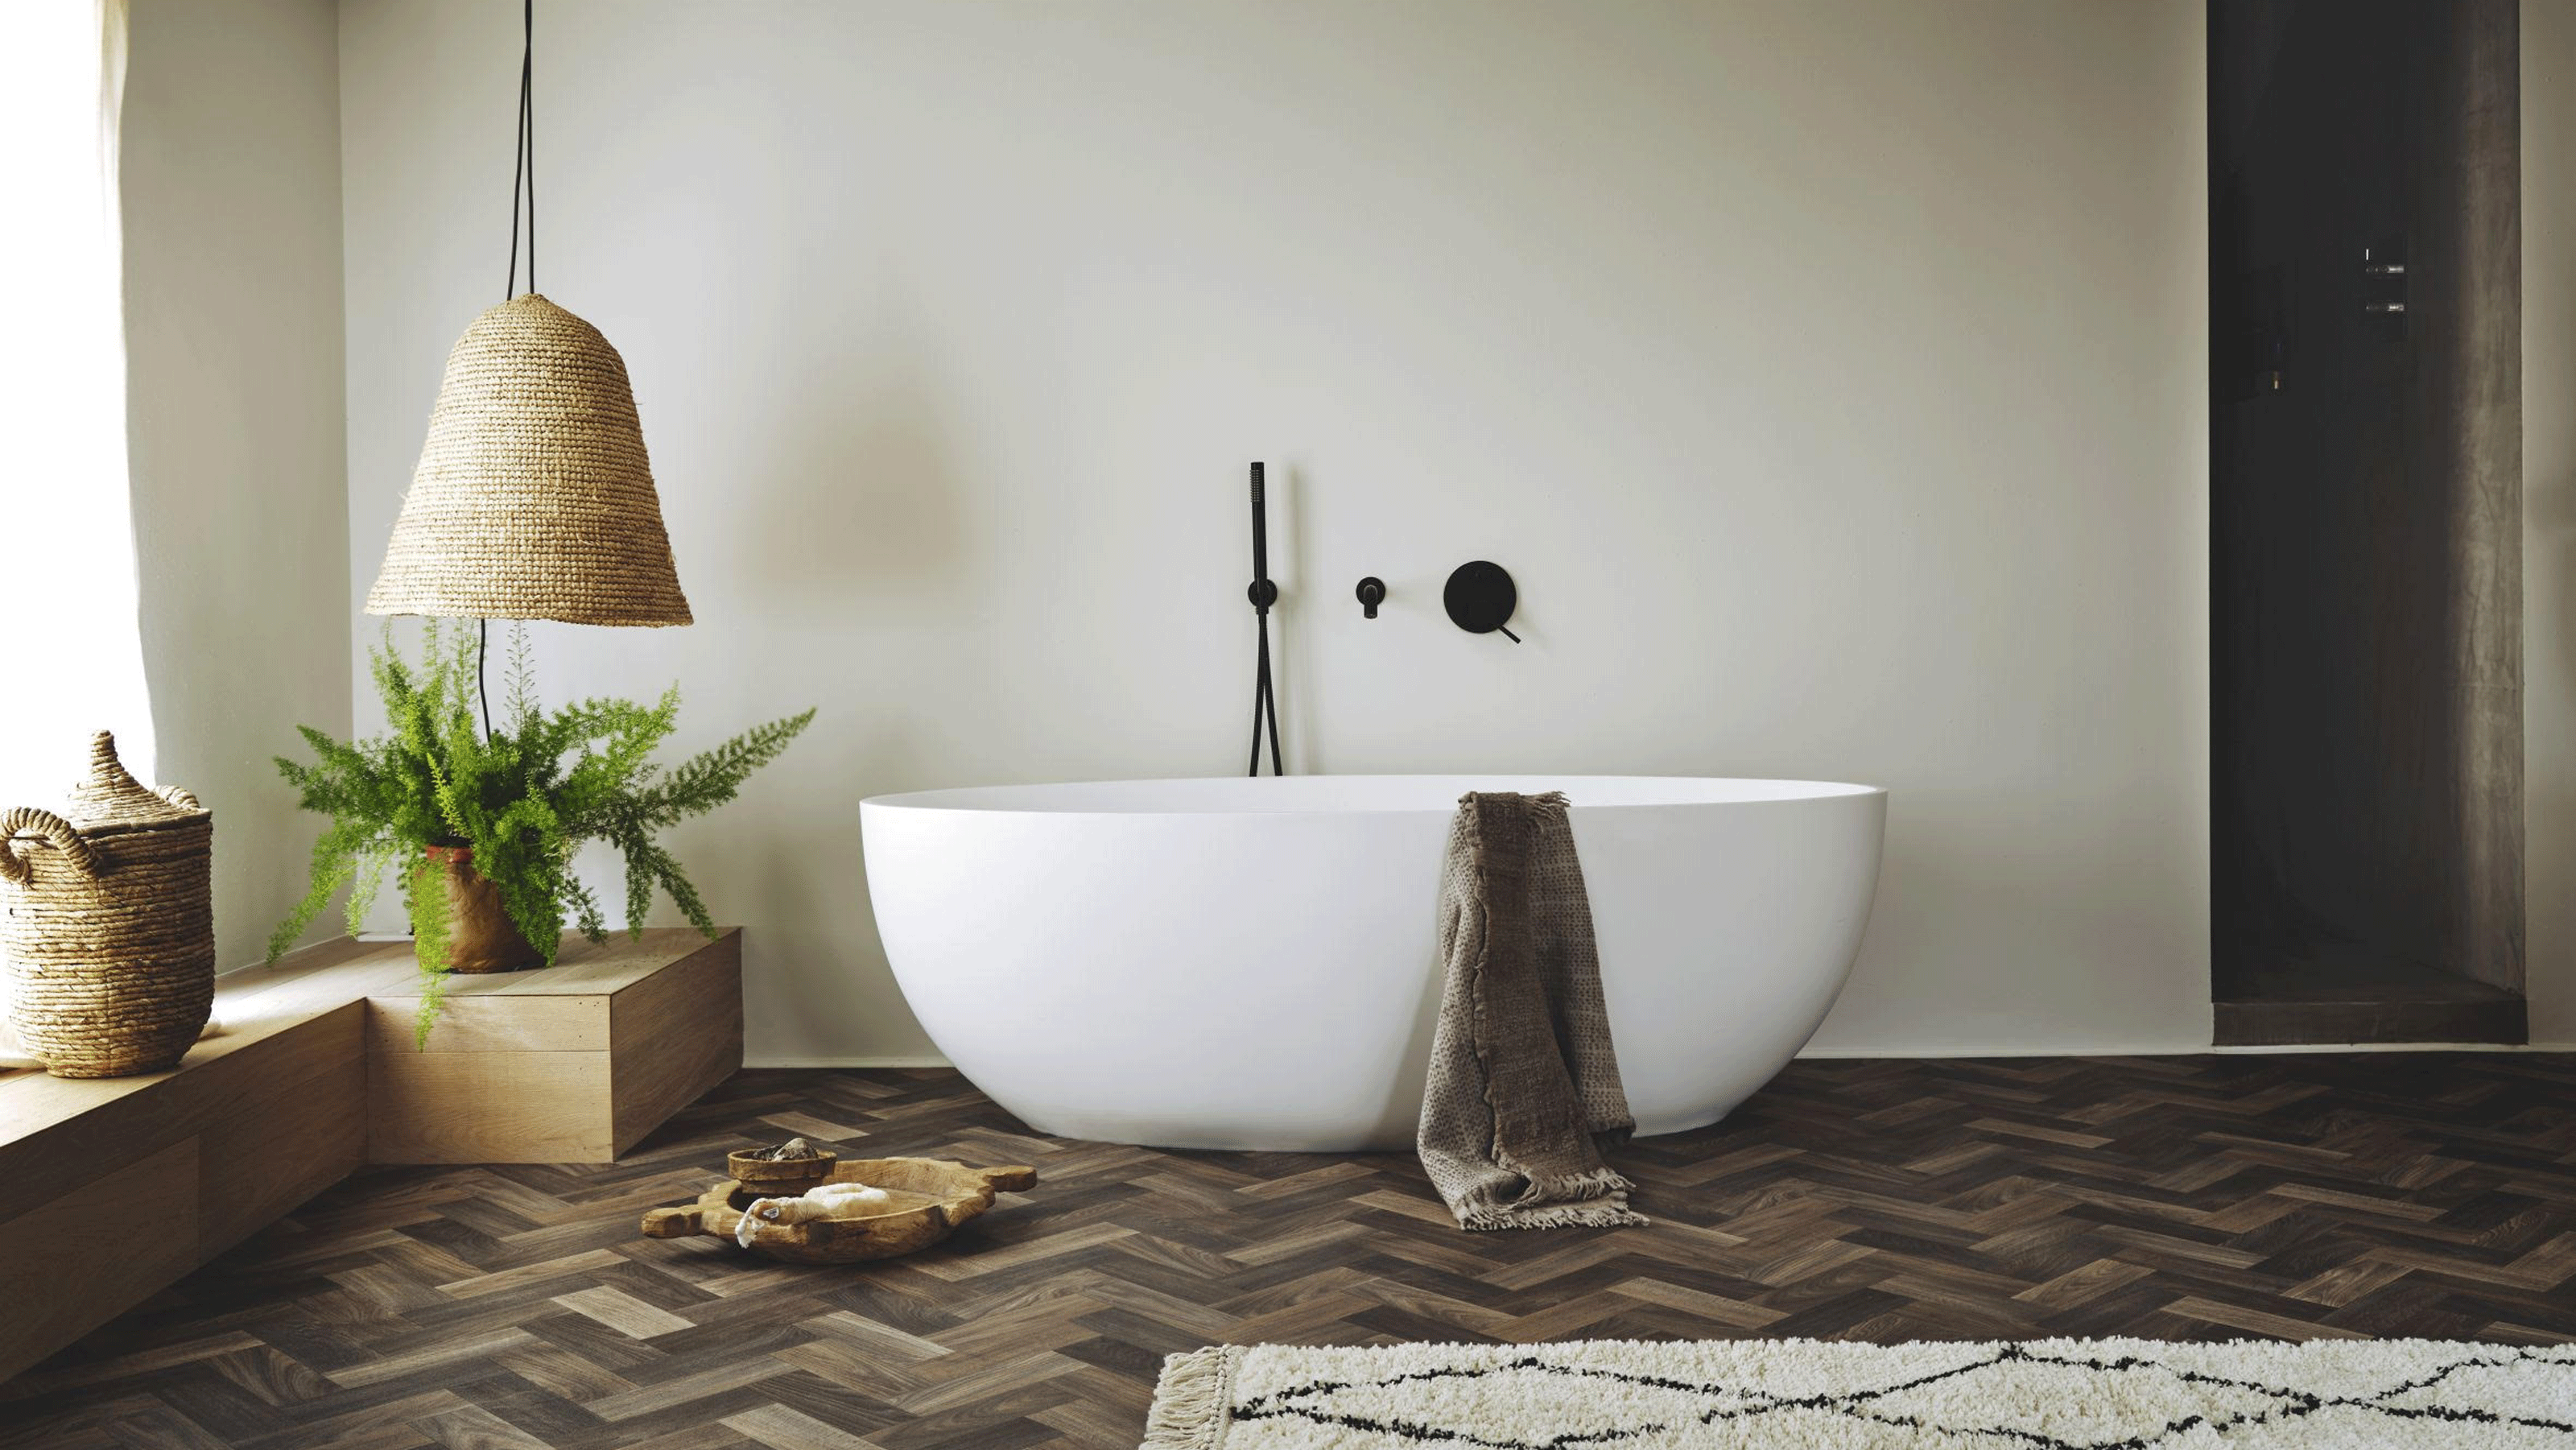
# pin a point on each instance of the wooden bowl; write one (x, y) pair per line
(926, 1200)
(771, 1176)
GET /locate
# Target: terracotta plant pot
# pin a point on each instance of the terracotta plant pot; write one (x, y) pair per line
(480, 935)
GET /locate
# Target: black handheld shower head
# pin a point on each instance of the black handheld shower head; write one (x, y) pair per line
(1263, 593)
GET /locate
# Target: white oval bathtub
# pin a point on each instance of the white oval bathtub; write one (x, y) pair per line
(1250, 963)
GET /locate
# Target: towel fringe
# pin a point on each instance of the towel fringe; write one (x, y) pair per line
(1578, 1190)
(1595, 1213)
(1190, 1409)
(1602, 1182)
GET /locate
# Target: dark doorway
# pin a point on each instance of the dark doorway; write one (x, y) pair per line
(2366, 521)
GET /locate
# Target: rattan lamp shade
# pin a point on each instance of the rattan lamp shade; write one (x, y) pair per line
(533, 498)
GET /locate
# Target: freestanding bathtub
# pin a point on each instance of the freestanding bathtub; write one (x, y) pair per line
(1250, 963)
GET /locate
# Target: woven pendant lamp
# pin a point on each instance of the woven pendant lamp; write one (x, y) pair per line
(534, 498)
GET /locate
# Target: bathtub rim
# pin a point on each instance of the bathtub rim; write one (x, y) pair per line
(972, 799)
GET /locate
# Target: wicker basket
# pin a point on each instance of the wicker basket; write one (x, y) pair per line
(107, 923)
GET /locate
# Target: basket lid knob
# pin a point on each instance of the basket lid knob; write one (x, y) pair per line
(110, 798)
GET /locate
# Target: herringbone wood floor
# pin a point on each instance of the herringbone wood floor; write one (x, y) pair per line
(2395, 1194)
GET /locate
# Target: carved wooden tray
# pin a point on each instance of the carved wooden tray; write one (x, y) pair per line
(926, 1200)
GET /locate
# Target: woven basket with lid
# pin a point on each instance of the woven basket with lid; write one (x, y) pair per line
(107, 923)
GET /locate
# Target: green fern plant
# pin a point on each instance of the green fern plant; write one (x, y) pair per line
(521, 798)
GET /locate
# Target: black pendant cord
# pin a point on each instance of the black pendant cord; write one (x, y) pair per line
(523, 160)
(523, 181)
(482, 693)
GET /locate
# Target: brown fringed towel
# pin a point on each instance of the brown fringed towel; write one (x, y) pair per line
(1524, 1089)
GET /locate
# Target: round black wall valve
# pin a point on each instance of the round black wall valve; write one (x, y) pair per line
(1480, 599)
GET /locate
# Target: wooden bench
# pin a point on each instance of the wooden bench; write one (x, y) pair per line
(113, 1188)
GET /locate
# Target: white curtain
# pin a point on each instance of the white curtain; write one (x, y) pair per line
(71, 657)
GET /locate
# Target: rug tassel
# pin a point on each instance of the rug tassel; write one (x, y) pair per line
(1190, 1403)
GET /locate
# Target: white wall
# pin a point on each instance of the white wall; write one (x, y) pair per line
(1829, 375)
(2549, 513)
(234, 402)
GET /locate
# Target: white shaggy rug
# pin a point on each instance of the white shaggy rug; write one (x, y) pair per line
(1791, 1394)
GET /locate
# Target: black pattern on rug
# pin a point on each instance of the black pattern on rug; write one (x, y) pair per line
(2286, 1403)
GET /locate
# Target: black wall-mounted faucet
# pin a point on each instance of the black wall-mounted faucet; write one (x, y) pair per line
(1372, 592)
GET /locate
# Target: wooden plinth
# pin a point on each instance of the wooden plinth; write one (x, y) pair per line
(568, 1065)
(112, 1188)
